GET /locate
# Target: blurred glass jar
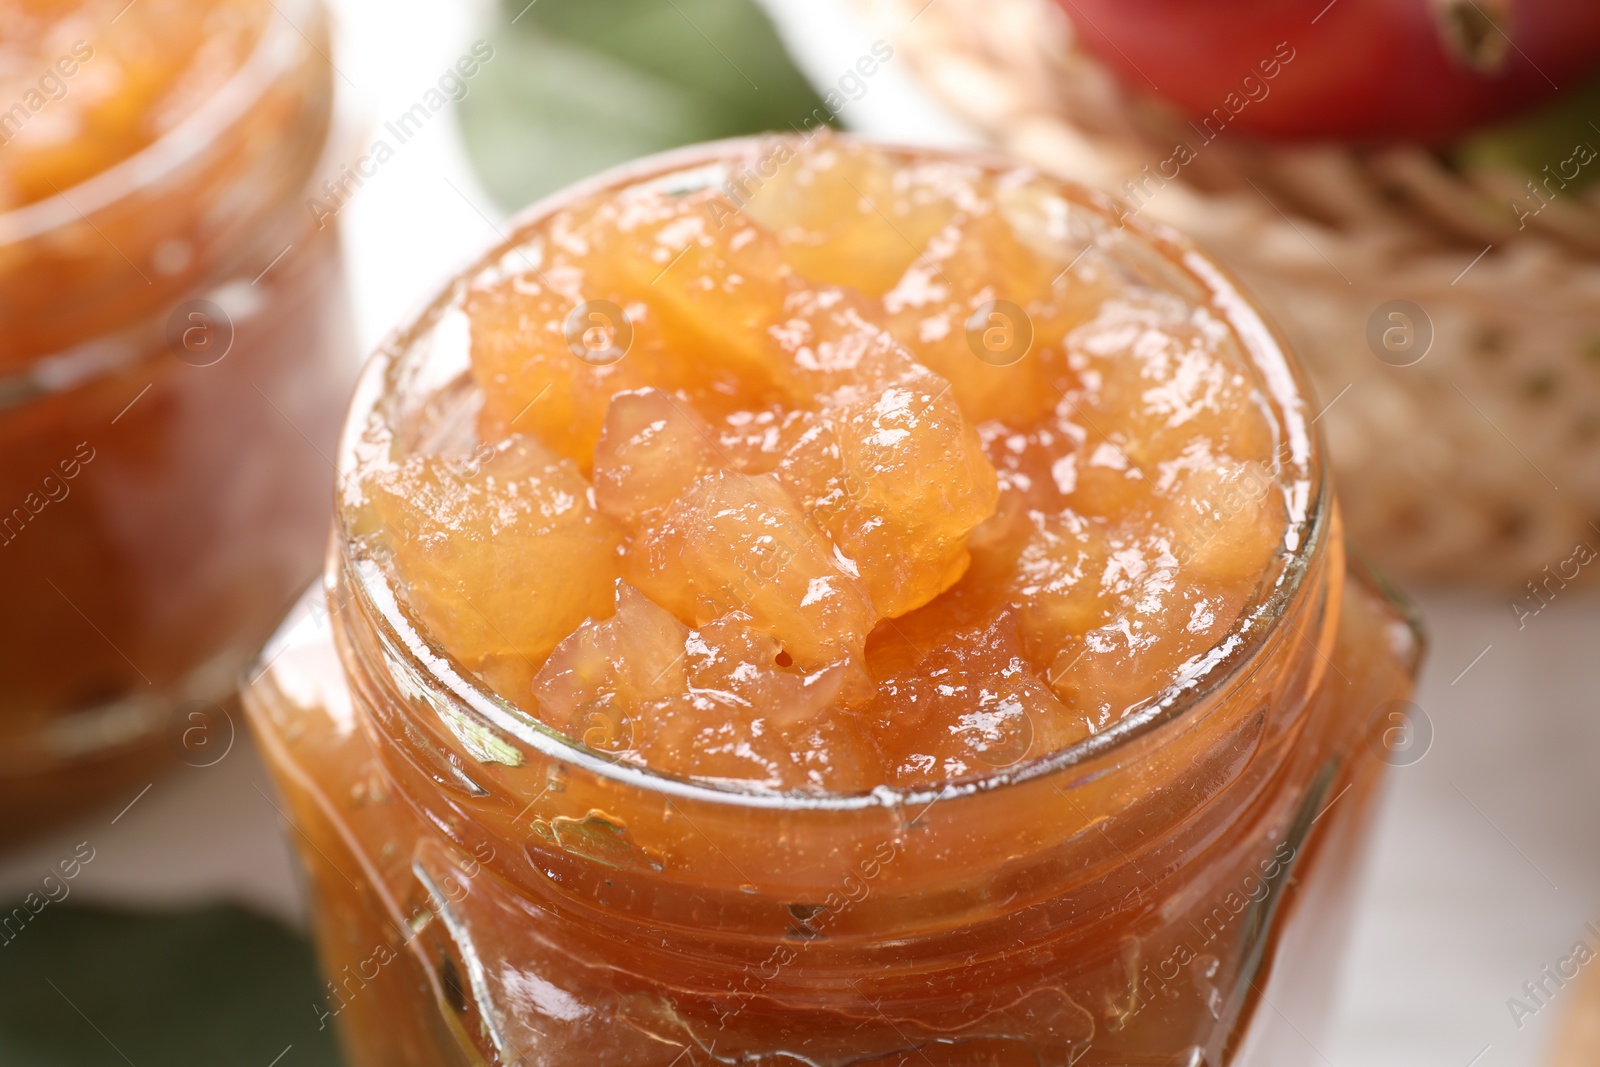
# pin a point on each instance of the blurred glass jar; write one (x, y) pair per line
(489, 891)
(175, 350)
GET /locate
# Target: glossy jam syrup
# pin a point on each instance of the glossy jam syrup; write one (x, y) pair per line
(174, 354)
(823, 531)
(578, 773)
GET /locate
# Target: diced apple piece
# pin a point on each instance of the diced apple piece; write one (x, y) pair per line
(970, 705)
(1105, 659)
(1110, 482)
(651, 449)
(715, 282)
(999, 358)
(532, 381)
(723, 703)
(1159, 373)
(502, 557)
(738, 542)
(1059, 582)
(1054, 228)
(898, 479)
(849, 215)
(831, 338)
(1158, 622)
(732, 662)
(750, 715)
(1041, 463)
(599, 680)
(1162, 635)
(755, 441)
(1227, 517)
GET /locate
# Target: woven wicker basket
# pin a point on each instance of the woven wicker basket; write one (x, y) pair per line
(1480, 462)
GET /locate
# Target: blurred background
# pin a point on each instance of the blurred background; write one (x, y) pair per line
(1484, 870)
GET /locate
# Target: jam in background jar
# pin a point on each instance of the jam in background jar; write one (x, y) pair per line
(1166, 887)
(174, 354)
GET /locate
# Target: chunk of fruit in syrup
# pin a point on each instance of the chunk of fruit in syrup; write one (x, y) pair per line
(897, 477)
(1122, 616)
(725, 317)
(888, 470)
(1040, 464)
(849, 215)
(946, 304)
(738, 542)
(718, 703)
(1036, 469)
(756, 441)
(604, 673)
(1105, 607)
(735, 317)
(651, 450)
(831, 338)
(1157, 373)
(714, 285)
(969, 704)
(532, 381)
(790, 374)
(1227, 517)
(749, 717)
(1059, 582)
(1164, 637)
(502, 558)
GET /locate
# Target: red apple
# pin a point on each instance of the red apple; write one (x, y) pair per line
(1352, 70)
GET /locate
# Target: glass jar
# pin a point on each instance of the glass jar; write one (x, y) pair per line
(1171, 891)
(175, 351)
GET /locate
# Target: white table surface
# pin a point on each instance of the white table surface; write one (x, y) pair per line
(1485, 867)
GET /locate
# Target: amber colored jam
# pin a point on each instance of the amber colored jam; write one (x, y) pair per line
(173, 356)
(809, 532)
(83, 92)
(740, 649)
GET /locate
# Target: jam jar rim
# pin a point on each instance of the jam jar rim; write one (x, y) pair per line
(281, 49)
(1284, 381)
(274, 54)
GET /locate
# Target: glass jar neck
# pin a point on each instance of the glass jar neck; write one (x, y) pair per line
(1082, 840)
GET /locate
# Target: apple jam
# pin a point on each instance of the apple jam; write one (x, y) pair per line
(87, 84)
(174, 355)
(826, 604)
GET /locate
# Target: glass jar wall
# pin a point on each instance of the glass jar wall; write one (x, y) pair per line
(175, 351)
(488, 890)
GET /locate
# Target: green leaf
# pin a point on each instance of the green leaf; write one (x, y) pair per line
(92, 987)
(576, 86)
